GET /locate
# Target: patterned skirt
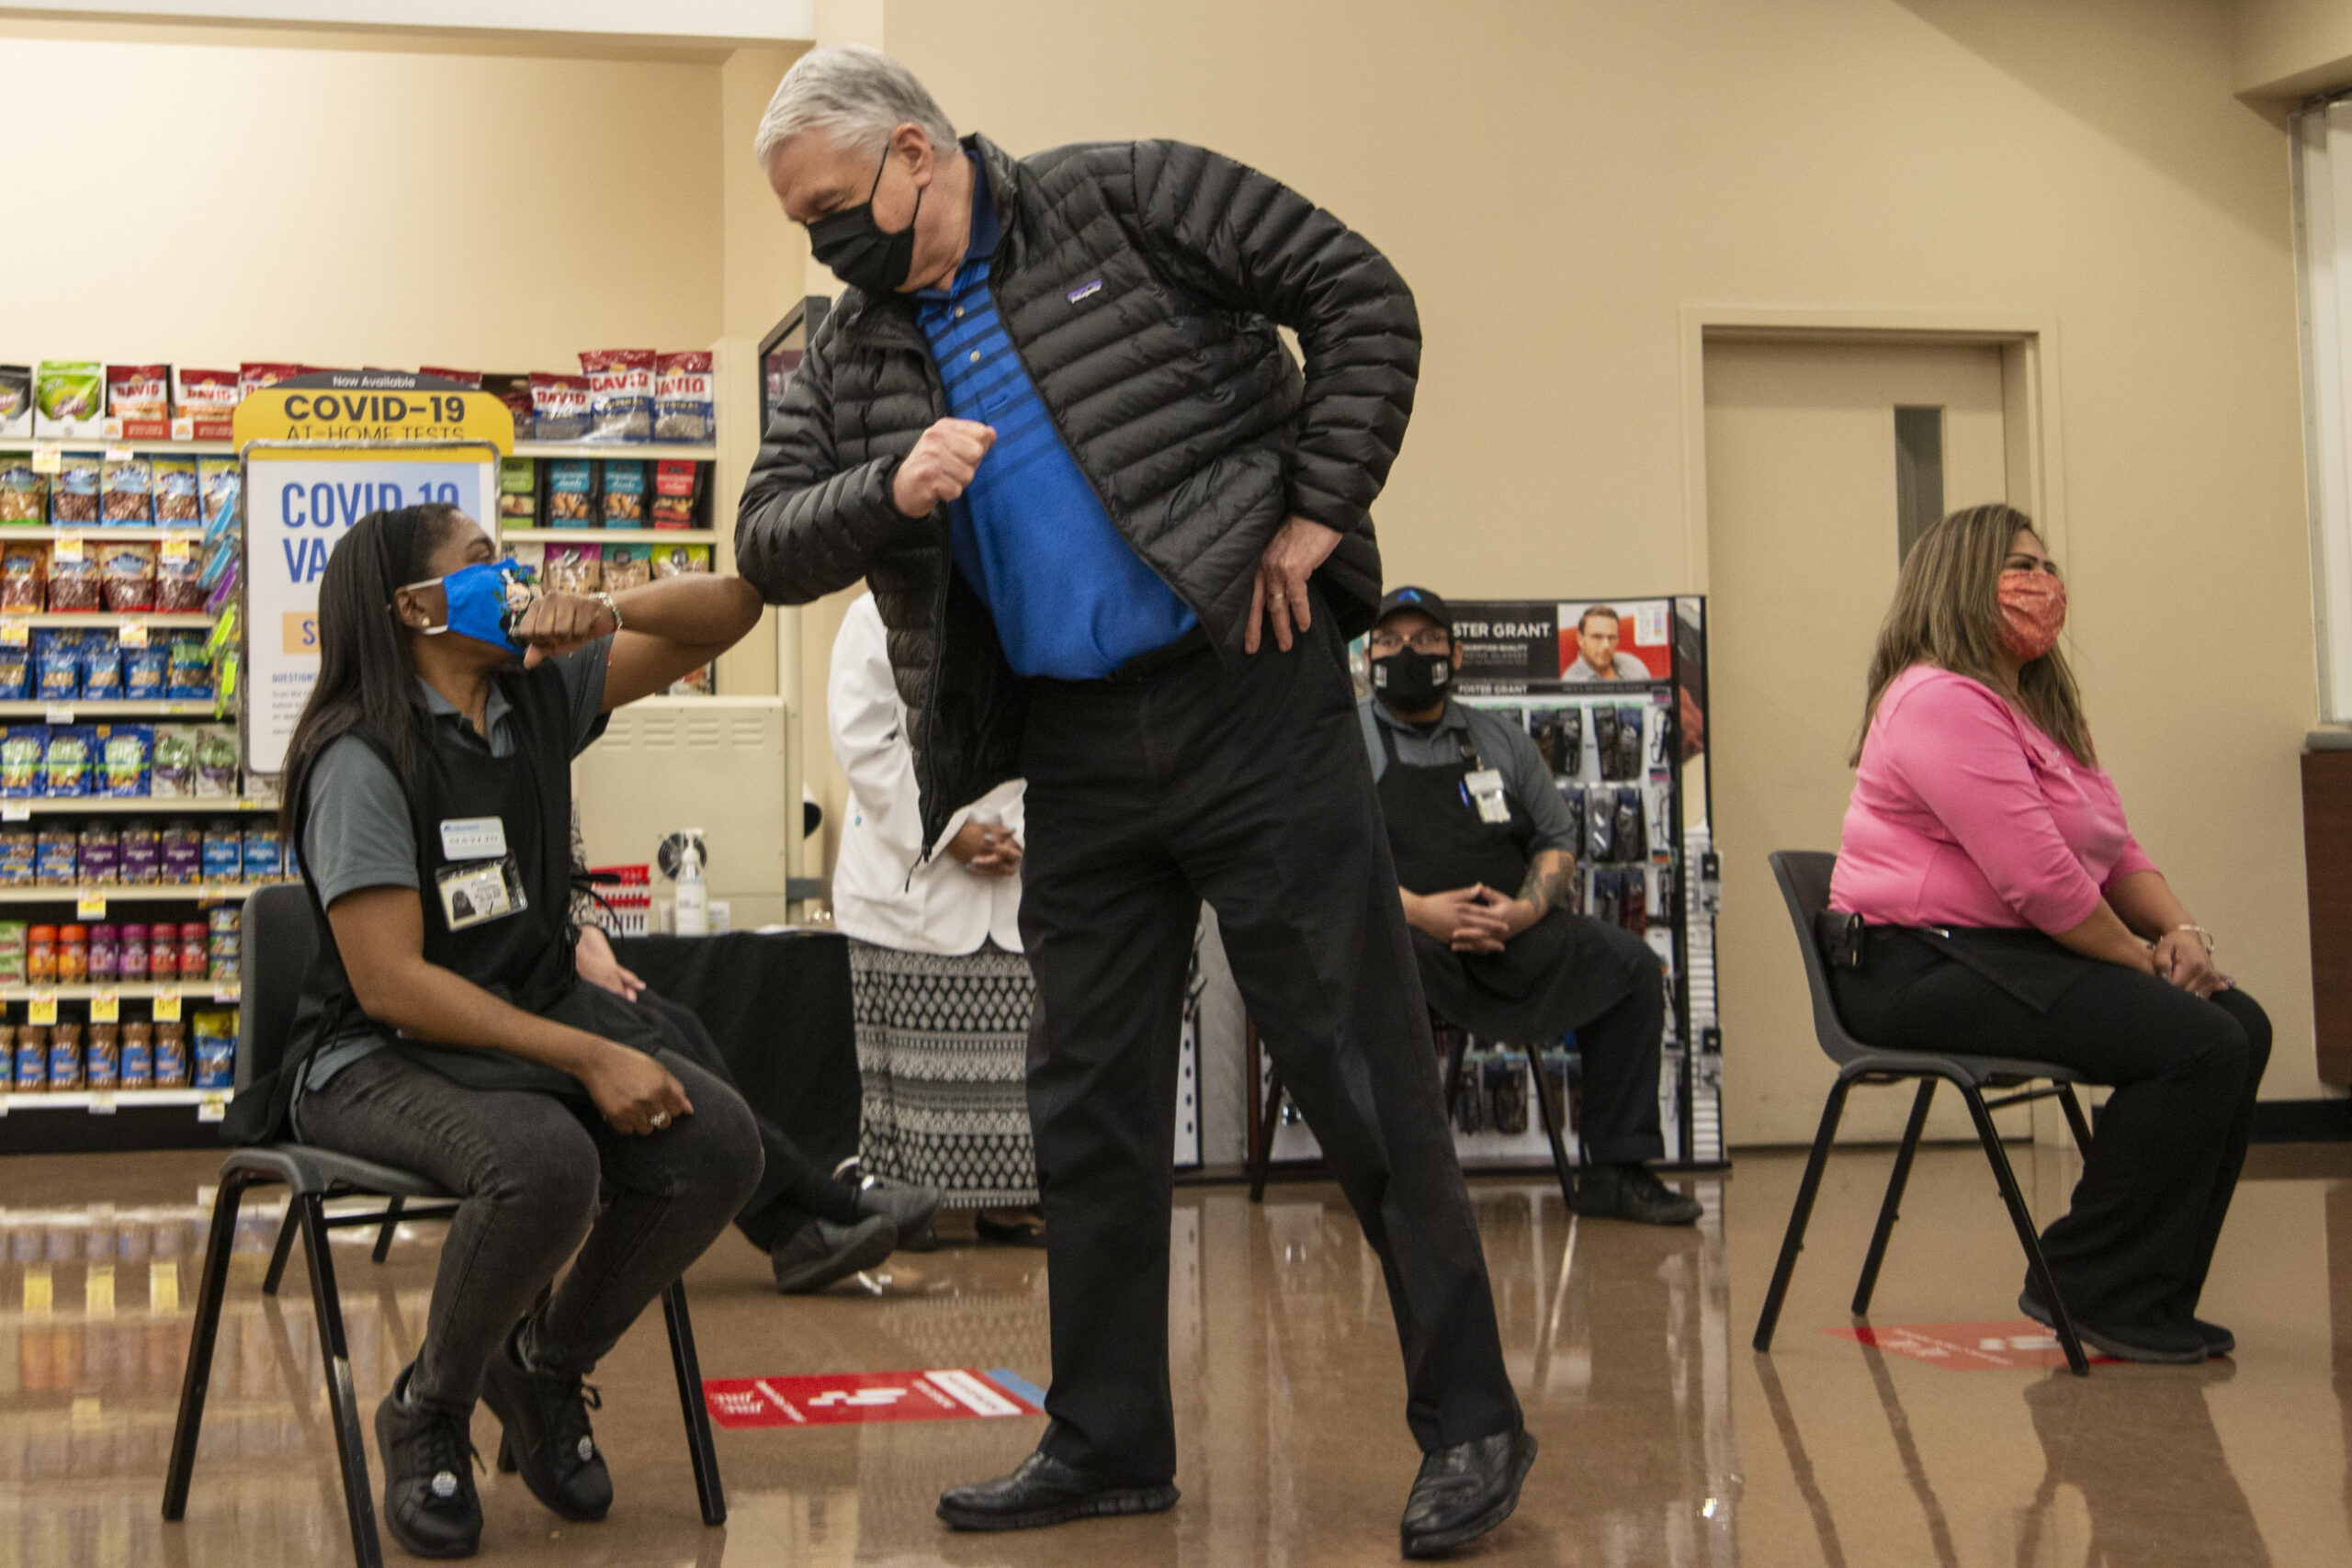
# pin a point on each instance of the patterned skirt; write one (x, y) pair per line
(941, 1048)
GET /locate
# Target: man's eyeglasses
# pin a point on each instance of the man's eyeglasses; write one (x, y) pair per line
(1434, 640)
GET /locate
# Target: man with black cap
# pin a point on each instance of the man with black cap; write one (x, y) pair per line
(1486, 859)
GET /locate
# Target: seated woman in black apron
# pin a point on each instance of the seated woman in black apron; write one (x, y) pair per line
(1472, 811)
(444, 1028)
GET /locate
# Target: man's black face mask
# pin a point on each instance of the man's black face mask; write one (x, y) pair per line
(855, 249)
(1410, 682)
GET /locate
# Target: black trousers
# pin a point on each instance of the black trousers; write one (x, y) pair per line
(1610, 989)
(2133, 1248)
(1249, 787)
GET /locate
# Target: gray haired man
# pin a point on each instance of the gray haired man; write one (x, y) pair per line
(1117, 538)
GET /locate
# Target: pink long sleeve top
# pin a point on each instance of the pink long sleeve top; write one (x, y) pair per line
(1965, 814)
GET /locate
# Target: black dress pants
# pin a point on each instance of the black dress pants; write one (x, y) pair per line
(1250, 787)
(2133, 1248)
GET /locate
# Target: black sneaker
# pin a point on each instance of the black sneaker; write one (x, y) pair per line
(821, 1252)
(2160, 1347)
(547, 1436)
(909, 1207)
(1632, 1193)
(428, 1457)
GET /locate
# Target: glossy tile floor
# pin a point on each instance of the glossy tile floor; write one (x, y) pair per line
(1665, 1439)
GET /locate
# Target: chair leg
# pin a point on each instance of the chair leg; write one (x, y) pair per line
(2075, 1118)
(283, 1250)
(214, 1285)
(391, 1224)
(1891, 1209)
(1270, 1120)
(1799, 1216)
(342, 1400)
(1551, 1129)
(708, 1489)
(2020, 1215)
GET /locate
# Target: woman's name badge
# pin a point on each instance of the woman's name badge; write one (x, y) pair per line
(473, 837)
(1486, 787)
(484, 891)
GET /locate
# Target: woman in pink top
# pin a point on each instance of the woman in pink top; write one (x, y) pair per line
(2009, 912)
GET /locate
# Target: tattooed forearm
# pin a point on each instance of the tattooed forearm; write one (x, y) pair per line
(1547, 880)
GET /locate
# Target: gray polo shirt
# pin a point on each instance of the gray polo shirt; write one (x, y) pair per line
(359, 835)
(1501, 745)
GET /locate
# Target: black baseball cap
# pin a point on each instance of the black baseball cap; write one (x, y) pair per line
(1415, 599)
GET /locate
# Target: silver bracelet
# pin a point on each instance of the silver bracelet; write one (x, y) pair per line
(607, 600)
(2203, 934)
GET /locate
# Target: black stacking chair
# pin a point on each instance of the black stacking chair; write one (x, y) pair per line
(1803, 876)
(281, 934)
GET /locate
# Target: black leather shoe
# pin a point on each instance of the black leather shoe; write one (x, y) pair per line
(1464, 1490)
(547, 1436)
(821, 1253)
(1046, 1492)
(1631, 1192)
(906, 1206)
(428, 1457)
(2161, 1346)
(2218, 1341)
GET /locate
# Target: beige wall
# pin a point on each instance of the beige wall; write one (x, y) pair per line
(2286, 48)
(1559, 181)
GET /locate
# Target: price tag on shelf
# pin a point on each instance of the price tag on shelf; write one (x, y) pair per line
(177, 548)
(15, 631)
(131, 634)
(167, 1007)
(36, 1289)
(106, 1007)
(89, 905)
(48, 457)
(118, 454)
(183, 427)
(68, 547)
(163, 1285)
(58, 714)
(42, 1009)
(212, 1108)
(16, 813)
(223, 999)
(102, 1103)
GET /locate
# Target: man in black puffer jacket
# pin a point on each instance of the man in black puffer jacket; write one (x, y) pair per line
(1118, 540)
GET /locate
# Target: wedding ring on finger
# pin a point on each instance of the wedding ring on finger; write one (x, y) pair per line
(660, 1119)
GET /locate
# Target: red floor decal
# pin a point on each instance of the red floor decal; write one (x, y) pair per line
(838, 1399)
(2018, 1345)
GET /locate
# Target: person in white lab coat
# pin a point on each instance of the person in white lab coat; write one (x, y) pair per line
(943, 993)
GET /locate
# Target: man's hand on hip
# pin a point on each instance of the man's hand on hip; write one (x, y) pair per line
(941, 467)
(1280, 593)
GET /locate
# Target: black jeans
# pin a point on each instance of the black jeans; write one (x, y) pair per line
(2132, 1250)
(529, 1168)
(1250, 787)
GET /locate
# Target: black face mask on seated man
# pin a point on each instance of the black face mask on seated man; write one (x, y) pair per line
(1409, 682)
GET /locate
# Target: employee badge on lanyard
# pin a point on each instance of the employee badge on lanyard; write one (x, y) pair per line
(1485, 788)
(486, 884)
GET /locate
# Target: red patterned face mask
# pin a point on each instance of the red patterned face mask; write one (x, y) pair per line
(2033, 612)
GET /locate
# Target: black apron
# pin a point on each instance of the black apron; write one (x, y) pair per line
(525, 958)
(1532, 989)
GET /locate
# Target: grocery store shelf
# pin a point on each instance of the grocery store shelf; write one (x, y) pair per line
(168, 620)
(99, 533)
(623, 449)
(83, 805)
(221, 994)
(165, 448)
(608, 535)
(109, 708)
(118, 1099)
(130, 892)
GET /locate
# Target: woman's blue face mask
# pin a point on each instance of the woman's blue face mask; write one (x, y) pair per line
(486, 600)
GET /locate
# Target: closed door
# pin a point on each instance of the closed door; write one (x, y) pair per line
(1823, 458)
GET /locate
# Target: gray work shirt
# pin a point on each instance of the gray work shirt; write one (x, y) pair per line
(359, 834)
(1501, 745)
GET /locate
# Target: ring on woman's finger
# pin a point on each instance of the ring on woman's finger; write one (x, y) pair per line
(660, 1119)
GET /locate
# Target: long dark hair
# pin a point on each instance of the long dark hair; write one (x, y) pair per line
(365, 679)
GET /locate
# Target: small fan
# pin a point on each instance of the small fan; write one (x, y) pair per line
(672, 854)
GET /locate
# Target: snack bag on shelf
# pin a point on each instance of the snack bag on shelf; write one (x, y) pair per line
(573, 569)
(126, 751)
(69, 400)
(65, 1056)
(12, 952)
(127, 492)
(572, 493)
(129, 582)
(138, 1065)
(18, 851)
(216, 1047)
(221, 481)
(139, 402)
(623, 493)
(24, 494)
(17, 671)
(57, 664)
(518, 493)
(223, 851)
(179, 585)
(560, 407)
(97, 857)
(74, 578)
(23, 575)
(685, 403)
(216, 762)
(56, 862)
(626, 566)
(182, 862)
(172, 761)
(188, 672)
(102, 1056)
(677, 490)
(676, 560)
(73, 490)
(144, 671)
(177, 504)
(142, 852)
(514, 391)
(21, 746)
(16, 402)
(264, 860)
(208, 400)
(69, 761)
(469, 379)
(101, 666)
(254, 376)
(620, 393)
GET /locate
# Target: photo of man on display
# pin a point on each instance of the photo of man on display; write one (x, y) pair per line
(1598, 656)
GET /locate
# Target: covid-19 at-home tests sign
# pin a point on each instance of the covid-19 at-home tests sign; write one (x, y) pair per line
(322, 452)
